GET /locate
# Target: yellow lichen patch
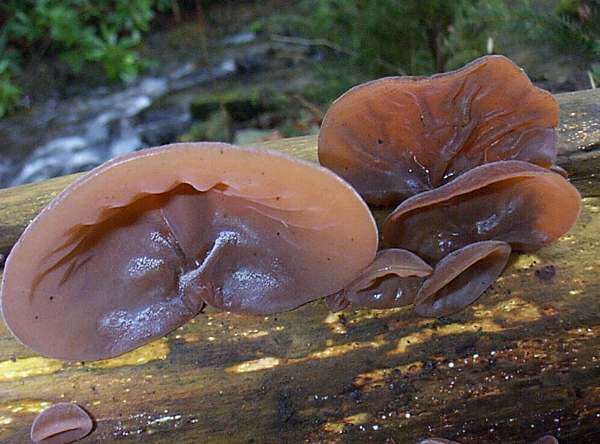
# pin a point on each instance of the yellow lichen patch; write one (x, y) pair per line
(334, 427)
(517, 310)
(24, 406)
(358, 419)
(253, 334)
(329, 352)
(526, 261)
(592, 204)
(485, 325)
(566, 238)
(407, 341)
(338, 350)
(254, 365)
(191, 337)
(26, 367)
(333, 321)
(481, 311)
(588, 332)
(365, 315)
(155, 351)
(376, 378)
(338, 426)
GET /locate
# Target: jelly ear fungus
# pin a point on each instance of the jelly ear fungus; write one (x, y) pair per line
(512, 201)
(461, 277)
(136, 247)
(61, 423)
(395, 137)
(392, 280)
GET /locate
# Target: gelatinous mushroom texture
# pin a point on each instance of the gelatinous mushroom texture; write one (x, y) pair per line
(135, 248)
(398, 136)
(392, 280)
(460, 278)
(512, 201)
(60, 424)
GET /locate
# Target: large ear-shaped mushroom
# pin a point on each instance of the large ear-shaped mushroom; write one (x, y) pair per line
(61, 423)
(461, 277)
(398, 136)
(512, 201)
(133, 249)
(392, 280)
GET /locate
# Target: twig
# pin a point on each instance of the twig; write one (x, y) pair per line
(311, 107)
(591, 77)
(333, 46)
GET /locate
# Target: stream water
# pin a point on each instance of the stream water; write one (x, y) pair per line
(62, 137)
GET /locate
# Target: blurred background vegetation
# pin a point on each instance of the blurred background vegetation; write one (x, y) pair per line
(365, 39)
(359, 39)
(82, 81)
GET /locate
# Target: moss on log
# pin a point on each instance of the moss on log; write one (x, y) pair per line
(522, 362)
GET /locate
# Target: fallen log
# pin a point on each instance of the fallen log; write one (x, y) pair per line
(522, 362)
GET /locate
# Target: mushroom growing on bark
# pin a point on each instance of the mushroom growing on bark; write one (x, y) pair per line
(512, 201)
(461, 277)
(61, 423)
(392, 280)
(136, 247)
(395, 137)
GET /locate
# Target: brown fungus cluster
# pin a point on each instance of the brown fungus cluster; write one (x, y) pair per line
(511, 201)
(396, 137)
(139, 245)
(136, 247)
(469, 158)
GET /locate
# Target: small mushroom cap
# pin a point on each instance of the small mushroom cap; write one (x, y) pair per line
(136, 247)
(336, 301)
(512, 201)
(60, 424)
(398, 136)
(392, 280)
(461, 278)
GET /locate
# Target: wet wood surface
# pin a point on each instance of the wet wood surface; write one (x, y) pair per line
(522, 362)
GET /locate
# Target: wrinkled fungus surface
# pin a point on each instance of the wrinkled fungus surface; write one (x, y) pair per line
(512, 201)
(398, 136)
(460, 278)
(61, 423)
(392, 280)
(136, 247)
